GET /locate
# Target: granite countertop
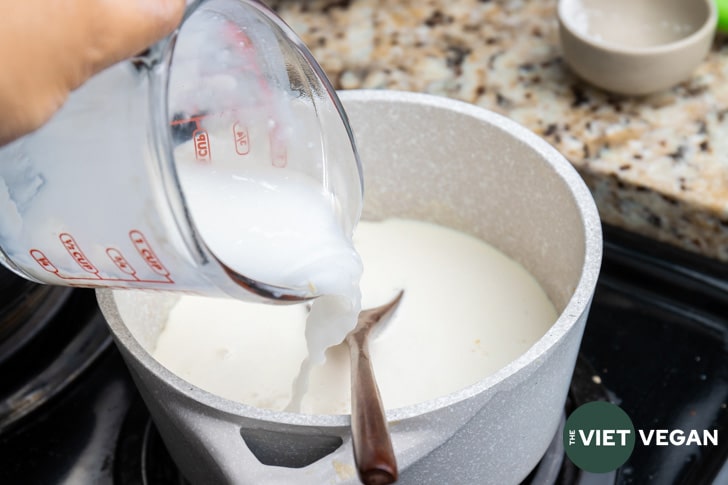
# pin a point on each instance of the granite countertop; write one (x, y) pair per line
(657, 165)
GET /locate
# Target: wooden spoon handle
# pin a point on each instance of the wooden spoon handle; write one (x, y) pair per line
(373, 452)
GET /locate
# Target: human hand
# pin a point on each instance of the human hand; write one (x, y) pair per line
(48, 48)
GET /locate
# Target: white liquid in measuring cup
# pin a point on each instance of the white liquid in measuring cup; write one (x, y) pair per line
(467, 311)
(272, 226)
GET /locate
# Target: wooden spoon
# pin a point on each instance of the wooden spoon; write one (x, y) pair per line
(373, 452)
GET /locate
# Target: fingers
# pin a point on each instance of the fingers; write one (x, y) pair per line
(50, 47)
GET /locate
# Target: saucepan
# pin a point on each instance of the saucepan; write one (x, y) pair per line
(435, 159)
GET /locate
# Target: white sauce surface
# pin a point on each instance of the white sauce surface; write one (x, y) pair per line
(467, 311)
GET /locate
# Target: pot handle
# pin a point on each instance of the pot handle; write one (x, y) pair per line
(228, 453)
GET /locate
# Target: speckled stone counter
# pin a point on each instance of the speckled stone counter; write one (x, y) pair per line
(657, 165)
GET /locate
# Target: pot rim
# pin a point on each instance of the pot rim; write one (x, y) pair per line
(577, 305)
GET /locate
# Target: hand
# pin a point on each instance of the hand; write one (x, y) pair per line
(48, 48)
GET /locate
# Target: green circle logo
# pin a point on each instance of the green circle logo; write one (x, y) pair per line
(599, 437)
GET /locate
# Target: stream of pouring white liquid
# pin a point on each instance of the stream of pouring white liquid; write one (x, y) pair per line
(279, 227)
(468, 310)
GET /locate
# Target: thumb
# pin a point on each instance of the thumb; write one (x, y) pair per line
(118, 29)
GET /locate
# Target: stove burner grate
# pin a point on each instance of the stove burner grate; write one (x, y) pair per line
(61, 337)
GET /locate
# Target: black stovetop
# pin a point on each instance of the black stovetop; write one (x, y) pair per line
(657, 338)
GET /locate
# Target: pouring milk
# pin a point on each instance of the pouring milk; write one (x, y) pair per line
(280, 227)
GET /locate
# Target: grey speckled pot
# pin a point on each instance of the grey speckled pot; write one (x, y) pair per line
(458, 165)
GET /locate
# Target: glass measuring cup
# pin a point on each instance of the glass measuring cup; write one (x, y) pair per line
(97, 197)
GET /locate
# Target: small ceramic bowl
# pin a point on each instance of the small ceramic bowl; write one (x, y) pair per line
(636, 47)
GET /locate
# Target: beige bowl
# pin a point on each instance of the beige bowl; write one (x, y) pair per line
(636, 47)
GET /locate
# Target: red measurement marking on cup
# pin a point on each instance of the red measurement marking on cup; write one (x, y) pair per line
(95, 280)
(43, 261)
(201, 140)
(120, 261)
(247, 54)
(75, 251)
(146, 252)
(241, 138)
